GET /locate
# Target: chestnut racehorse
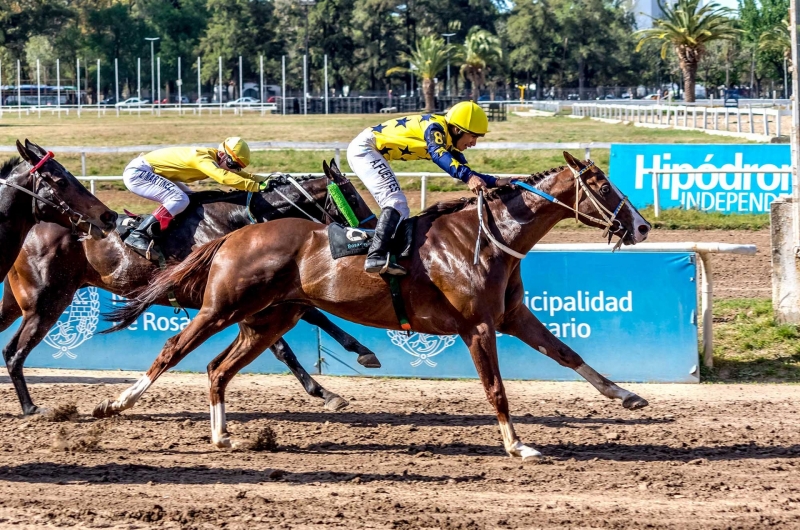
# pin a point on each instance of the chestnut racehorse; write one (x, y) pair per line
(263, 276)
(52, 266)
(41, 189)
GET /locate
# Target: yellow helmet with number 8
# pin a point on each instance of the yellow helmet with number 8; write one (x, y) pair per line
(468, 116)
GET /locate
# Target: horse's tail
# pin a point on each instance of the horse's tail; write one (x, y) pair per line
(191, 275)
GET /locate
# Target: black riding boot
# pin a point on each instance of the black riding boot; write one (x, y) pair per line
(378, 255)
(139, 240)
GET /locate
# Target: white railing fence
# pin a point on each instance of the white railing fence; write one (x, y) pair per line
(763, 121)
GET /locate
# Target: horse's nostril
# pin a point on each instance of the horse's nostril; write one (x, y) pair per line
(108, 217)
(643, 229)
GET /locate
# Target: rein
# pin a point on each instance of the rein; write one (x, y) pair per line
(307, 195)
(609, 218)
(62, 206)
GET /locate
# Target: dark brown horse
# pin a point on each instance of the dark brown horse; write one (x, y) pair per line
(446, 293)
(50, 193)
(53, 265)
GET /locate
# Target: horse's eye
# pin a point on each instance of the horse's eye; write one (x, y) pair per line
(605, 189)
(61, 183)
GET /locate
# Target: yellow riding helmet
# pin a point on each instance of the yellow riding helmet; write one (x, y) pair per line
(237, 149)
(468, 116)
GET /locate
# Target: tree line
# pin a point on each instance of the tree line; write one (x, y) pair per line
(374, 46)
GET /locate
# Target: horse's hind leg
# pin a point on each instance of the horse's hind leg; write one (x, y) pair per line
(284, 354)
(366, 357)
(521, 323)
(176, 348)
(254, 337)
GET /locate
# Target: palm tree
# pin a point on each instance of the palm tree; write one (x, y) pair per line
(777, 39)
(688, 26)
(481, 50)
(427, 60)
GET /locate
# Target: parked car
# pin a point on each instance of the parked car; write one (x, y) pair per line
(608, 96)
(651, 96)
(174, 99)
(201, 100)
(133, 102)
(242, 102)
(272, 99)
(109, 101)
(626, 95)
(573, 97)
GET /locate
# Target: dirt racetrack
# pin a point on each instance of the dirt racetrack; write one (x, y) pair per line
(406, 454)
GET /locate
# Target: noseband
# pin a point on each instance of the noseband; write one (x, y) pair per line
(75, 218)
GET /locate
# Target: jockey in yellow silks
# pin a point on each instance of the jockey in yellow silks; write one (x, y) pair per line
(161, 176)
(441, 139)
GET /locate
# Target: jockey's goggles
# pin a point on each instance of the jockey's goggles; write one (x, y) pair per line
(232, 164)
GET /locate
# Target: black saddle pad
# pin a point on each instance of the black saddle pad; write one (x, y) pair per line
(348, 241)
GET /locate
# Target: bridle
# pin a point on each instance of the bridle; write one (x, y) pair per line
(76, 218)
(609, 220)
(311, 200)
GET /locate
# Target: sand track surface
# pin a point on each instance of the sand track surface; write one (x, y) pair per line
(405, 454)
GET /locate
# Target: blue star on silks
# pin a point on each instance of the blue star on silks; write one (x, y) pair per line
(425, 117)
(379, 128)
(405, 151)
(402, 121)
(384, 151)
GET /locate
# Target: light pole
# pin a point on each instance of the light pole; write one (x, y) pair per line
(306, 4)
(447, 36)
(152, 68)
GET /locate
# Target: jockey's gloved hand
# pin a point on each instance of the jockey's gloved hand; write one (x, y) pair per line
(476, 184)
(263, 185)
(504, 181)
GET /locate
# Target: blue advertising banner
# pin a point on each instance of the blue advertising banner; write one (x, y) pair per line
(631, 315)
(728, 183)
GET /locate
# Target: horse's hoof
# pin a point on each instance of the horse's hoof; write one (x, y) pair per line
(104, 410)
(520, 450)
(223, 443)
(36, 411)
(634, 402)
(369, 360)
(336, 403)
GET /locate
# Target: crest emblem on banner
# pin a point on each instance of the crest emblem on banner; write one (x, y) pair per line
(77, 324)
(421, 345)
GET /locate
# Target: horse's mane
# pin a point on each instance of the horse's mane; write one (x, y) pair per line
(9, 165)
(456, 205)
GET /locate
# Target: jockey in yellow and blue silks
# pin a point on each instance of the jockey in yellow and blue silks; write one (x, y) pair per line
(441, 139)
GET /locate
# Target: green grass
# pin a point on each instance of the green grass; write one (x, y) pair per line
(751, 346)
(680, 219)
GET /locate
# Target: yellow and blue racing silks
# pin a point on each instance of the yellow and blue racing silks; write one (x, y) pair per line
(424, 137)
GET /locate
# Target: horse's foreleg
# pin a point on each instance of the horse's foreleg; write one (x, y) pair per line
(482, 345)
(521, 323)
(254, 337)
(9, 308)
(43, 304)
(284, 354)
(176, 348)
(366, 357)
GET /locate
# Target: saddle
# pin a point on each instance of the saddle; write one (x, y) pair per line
(348, 241)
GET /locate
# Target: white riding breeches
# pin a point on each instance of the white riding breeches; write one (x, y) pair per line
(374, 171)
(141, 180)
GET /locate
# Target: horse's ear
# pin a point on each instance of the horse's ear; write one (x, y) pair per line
(572, 161)
(338, 177)
(26, 153)
(326, 170)
(35, 148)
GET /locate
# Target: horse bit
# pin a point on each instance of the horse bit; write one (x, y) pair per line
(62, 206)
(608, 221)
